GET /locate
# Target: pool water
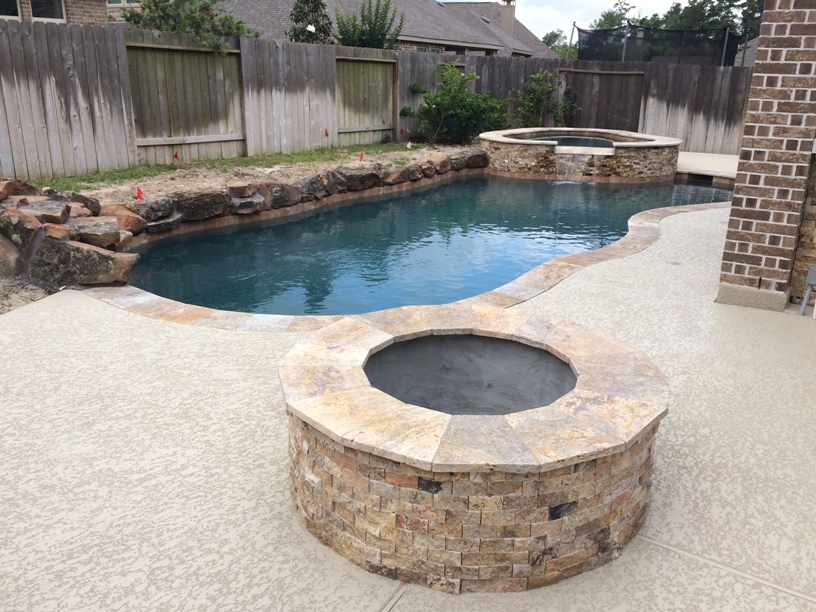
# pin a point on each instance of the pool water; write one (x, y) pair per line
(433, 246)
(578, 141)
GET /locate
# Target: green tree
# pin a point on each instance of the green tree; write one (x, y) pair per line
(203, 18)
(751, 17)
(310, 23)
(615, 17)
(455, 113)
(376, 28)
(557, 41)
(701, 15)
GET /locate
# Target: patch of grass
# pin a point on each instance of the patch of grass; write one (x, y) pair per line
(328, 155)
(402, 161)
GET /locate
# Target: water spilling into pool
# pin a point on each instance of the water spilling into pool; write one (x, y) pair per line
(434, 246)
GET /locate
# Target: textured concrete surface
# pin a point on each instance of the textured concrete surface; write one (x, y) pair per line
(145, 462)
(707, 164)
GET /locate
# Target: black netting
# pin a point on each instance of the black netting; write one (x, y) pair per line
(635, 44)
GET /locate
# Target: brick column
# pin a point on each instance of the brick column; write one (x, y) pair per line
(775, 160)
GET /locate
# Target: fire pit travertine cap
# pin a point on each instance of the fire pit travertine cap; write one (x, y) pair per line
(370, 470)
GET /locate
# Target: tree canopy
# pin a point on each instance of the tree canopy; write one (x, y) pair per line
(376, 28)
(741, 16)
(203, 18)
(557, 41)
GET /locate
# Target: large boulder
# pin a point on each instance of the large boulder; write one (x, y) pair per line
(312, 188)
(61, 262)
(195, 206)
(280, 195)
(241, 190)
(98, 231)
(428, 171)
(359, 179)
(12, 187)
(9, 258)
(91, 204)
(18, 227)
(395, 176)
(249, 205)
(440, 163)
(332, 183)
(126, 218)
(166, 224)
(459, 160)
(476, 158)
(49, 211)
(414, 172)
(153, 210)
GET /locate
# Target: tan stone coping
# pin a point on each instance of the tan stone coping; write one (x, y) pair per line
(620, 138)
(643, 231)
(619, 395)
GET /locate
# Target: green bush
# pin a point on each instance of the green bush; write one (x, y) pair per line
(202, 18)
(455, 114)
(539, 99)
(375, 29)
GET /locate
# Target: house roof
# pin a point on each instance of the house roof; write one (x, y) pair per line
(492, 11)
(455, 24)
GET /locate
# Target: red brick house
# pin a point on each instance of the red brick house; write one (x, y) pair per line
(58, 11)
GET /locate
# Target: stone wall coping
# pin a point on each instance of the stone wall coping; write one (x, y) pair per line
(619, 395)
(632, 139)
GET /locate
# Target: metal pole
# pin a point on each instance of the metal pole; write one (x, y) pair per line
(625, 40)
(725, 45)
(569, 48)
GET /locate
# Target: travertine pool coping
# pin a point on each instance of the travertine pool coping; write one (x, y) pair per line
(619, 138)
(619, 394)
(644, 230)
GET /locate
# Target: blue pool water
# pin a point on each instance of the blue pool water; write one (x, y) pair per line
(433, 246)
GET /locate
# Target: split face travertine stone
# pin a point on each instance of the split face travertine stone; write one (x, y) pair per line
(463, 502)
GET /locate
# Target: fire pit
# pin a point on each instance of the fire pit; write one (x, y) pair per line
(502, 483)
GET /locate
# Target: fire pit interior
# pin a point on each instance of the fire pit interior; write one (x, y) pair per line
(466, 374)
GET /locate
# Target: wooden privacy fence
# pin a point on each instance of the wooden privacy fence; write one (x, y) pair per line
(186, 100)
(65, 102)
(81, 99)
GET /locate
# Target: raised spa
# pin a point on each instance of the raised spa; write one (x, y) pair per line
(477, 492)
(577, 154)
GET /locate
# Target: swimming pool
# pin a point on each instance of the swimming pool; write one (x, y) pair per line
(433, 246)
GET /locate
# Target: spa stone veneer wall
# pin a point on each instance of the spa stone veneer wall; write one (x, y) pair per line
(463, 532)
(762, 265)
(628, 164)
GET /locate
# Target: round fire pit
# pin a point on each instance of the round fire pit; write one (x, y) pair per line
(470, 448)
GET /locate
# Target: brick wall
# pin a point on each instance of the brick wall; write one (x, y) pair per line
(775, 160)
(76, 11)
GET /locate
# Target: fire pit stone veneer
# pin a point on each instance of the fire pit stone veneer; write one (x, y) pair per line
(471, 503)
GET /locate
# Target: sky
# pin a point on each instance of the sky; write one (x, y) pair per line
(542, 16)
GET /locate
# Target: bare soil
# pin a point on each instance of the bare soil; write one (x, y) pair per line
(203, 179)
(15, 293)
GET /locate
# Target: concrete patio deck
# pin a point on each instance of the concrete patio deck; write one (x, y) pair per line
(144, 462)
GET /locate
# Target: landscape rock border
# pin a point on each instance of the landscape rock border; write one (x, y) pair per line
(65, 238)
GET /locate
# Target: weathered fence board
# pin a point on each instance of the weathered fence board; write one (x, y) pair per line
(289, 96)
(64, 110)
(366, 111)
(701, 105)
(78, 99)
(187, 99)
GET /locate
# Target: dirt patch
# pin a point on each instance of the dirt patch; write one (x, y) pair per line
(203, 179)
(15, 293)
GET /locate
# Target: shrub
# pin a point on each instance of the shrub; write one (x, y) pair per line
(374, 29)
(456, 114)
(202, 18)
(539, 99)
